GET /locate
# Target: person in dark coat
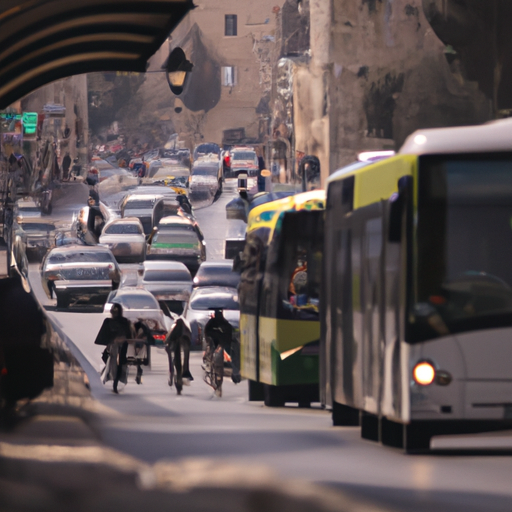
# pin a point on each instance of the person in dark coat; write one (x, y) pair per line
(261, 167)
(66, 164)
(179, 339)
(113, 335)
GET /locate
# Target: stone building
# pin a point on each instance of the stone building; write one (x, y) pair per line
(71, 131)
(231, 44)
(374, 71)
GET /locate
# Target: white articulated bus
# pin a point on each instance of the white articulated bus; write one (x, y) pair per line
(416, 307)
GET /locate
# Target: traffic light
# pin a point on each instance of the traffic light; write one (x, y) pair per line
(29, 121)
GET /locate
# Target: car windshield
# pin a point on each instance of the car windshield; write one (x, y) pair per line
(167, 275)
(35, 226)
(206, 149)
(205, 299)
(205, 171)
(216, 276)
(176, 237)
(136, 301)
(171, 172)
(243, 155)
(140, 204)
(123, 229)
(80, 257)
(464, 233)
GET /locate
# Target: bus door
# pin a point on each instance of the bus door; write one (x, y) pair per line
(289, 315)
(371, 283)
(338, 351)
(252, 266)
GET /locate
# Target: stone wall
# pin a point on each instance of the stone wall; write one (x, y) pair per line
(378, 72)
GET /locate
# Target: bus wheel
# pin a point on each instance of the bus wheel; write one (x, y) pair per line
(391, 433)
(344, 416)
(274, 396)
(256, 391)
(369, 426)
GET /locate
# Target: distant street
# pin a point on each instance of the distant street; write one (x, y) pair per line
(152, 423)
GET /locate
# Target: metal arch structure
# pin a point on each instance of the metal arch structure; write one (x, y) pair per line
(46, 40)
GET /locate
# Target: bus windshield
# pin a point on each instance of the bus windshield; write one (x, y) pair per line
(464, 243)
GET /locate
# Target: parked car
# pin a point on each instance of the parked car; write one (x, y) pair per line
(177, 239)
(216, 273)
(169, 282)
(202, 304)
(78, 273)
(125, 238)
(243, 160)
(139, 304)
(38, 236)
(206, 178)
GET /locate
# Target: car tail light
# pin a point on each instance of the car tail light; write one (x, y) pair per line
(159, 337)
(424, 373)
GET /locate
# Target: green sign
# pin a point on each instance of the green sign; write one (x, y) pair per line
(29, 121)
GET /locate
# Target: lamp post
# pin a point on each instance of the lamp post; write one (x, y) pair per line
(176, 69)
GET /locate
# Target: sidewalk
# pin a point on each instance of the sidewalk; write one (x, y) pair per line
(52, 460)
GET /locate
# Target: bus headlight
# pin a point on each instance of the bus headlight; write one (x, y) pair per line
(424, 373)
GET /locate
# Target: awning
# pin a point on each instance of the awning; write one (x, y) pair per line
(45, 40)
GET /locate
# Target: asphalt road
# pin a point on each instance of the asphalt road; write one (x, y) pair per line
(152, 423)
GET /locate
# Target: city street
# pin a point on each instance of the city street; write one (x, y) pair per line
(152, 423)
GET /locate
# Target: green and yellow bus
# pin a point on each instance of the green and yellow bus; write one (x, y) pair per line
(279, 296)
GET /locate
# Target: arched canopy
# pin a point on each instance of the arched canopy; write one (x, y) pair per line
(45, 40)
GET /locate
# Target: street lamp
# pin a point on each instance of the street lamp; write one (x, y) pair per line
(176, 69)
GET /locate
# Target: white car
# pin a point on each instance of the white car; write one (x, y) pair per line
(125, 238)
(139, 304)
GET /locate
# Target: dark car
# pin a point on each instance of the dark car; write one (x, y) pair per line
(169, 282)
(206, 178)
(206, 149)
(216, 273)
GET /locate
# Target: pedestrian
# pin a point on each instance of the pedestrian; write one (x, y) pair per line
(113, 335)
(261, 167)
(66, 164)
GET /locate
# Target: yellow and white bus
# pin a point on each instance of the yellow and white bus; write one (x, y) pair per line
(416, 307)
(279, 294)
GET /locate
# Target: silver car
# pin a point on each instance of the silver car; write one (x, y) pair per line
(201, 306)
(125, 238)
(140, 305)
(140, 206)
(169, 282)
(78, 273)
(38, 235)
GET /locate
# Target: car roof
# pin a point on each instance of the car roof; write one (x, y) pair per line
(164, 265)
(125, 220)
(175, 220)
(217, 264)
(81, 248)
(215, 290)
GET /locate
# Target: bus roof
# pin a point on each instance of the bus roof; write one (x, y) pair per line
(267, 214)
(489, 137)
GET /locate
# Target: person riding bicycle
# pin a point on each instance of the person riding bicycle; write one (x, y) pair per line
(220, 332)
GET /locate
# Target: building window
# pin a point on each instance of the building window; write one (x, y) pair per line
(228, 75)
(230, 25)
